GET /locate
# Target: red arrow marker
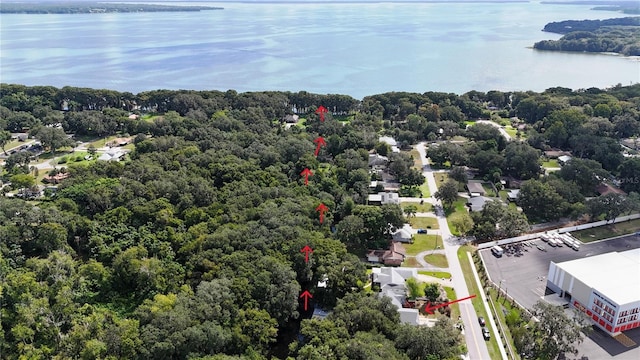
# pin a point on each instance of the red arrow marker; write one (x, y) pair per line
(306, 172)
(319, 143)
(306, 295)
(430, 309)
(322, 208)
(306, 250)
(321, 111)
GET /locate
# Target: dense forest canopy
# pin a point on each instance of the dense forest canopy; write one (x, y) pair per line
(619, 35)
(191, 247)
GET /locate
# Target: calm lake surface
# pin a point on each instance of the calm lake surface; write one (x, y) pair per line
(356, 49)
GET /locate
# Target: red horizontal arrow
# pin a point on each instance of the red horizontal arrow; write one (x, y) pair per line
(306, 172)
(319, 142)
(321, 111)
(429, 309)
(322, 208)
(306, 295)
(306, 250)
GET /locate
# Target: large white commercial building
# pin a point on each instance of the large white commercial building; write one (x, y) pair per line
(606, 287)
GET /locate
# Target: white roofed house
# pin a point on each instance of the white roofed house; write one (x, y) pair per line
(403, 235)
(113, 154)
(382, 198)
(392, 285)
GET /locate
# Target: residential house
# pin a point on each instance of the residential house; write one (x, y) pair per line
(513, 194)
(114, 154)
(476, 203)
(378, 161)
(392, 285)
(475, 188)
(563, 159)
(554, 154)
(55, 179)
(119, 142)
(604, 189)
(394, 256)
(291, 118)
(382, 198)
(403, 235)
(391, 142)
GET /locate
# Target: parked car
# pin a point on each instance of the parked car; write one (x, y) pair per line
(481, 321)
(485, 333)
(422, 231)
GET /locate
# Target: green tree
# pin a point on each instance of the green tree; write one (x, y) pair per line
(540, 201)
(432, 291)
(609, 206)
(462, 222)
(630, 175)
(52, 138)
(447, 193)
(410, 210)
(5, 137)
(22, 181)
(415, 288)
(555, 332)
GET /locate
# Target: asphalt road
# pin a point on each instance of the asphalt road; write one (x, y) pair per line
(476, 344)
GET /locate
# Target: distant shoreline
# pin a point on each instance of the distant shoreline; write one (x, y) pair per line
(55, 7)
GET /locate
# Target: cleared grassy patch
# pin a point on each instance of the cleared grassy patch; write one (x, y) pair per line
(422, 208)
(103, 141)
(501, 306)
(410, 262)
(441, 178)
(422, 243)
(489, 190)
(552, 163)
(492, 345)
(424, 189)
(435, 274)
(455, 308)
(417, 163)
(511, 131)
(439, 260)
(424, 223)
(607, 231)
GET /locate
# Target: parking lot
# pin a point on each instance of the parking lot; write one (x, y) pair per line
(523, 277)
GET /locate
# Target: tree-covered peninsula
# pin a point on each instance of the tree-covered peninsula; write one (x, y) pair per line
(92, 7)
(621, 36)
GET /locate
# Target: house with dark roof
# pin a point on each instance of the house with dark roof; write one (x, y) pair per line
(394, 256)
(475, 188)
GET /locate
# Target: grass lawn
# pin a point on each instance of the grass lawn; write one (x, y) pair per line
(552, 163)
(455, 308)
(503, 195)
(459, 138)
(469, 122)
(489, 190)
(439, 260)
(424, 223)
(441, 178)
(149, 117)
(607, 231)
(422, 243)
(435, 274)
(103, 141)
(12, 144)
(500, 306)
(424, 189)
(492, 345)
(410, 262)
(457, 206)
(511, 131)
(74, 158)
(424, 208)
(417, 163)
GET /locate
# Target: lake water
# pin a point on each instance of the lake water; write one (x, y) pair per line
(349, 48)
